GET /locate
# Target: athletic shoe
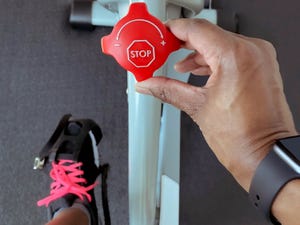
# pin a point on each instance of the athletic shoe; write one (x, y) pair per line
(71, 158)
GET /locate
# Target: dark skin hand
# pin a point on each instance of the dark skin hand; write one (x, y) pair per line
(241, 110)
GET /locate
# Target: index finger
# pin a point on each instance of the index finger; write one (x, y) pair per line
(200, 35)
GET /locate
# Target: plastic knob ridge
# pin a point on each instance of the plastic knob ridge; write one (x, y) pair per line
(140, 42)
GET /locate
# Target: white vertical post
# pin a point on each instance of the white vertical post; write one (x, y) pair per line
(143, 128)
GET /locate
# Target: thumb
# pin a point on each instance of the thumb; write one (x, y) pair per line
(185, 97)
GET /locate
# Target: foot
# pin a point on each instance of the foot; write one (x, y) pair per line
(71, 158)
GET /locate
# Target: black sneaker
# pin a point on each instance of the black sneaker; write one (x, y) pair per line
(71, 158)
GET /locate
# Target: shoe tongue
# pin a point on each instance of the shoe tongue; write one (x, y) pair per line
(66, 151)
(65, 156)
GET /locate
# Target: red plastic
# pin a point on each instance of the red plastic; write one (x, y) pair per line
(140, 42)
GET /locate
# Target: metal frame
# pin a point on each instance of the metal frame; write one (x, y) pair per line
(154, 128)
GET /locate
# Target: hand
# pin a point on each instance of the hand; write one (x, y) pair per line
(242, 108)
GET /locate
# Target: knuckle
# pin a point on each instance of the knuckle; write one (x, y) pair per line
(199, 22)
(200, 25)
(247, 53)
(260, 47)
(269, 47)
(245, 48)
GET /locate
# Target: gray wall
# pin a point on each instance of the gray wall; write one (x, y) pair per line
(47, 69)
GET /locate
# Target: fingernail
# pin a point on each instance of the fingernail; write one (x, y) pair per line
(142, 88)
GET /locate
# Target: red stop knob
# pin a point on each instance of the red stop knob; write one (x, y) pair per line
(140, 42)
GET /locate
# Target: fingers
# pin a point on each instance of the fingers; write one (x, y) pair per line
(188, 64)
(201, 35)
(193, 63)
(184, 96)
(202, 71)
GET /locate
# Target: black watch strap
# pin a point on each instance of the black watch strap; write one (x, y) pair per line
(281, 165)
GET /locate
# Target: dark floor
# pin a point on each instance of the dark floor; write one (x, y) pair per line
(47, 69)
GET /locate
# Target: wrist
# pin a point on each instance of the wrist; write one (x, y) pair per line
(275, 186)
(244, 168)
(244, 172)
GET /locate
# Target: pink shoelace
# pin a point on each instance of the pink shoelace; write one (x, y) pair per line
(66, 180)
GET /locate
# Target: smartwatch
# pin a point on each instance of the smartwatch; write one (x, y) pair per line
(281, 165)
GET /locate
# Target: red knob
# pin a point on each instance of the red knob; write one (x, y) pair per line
(140, 42)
